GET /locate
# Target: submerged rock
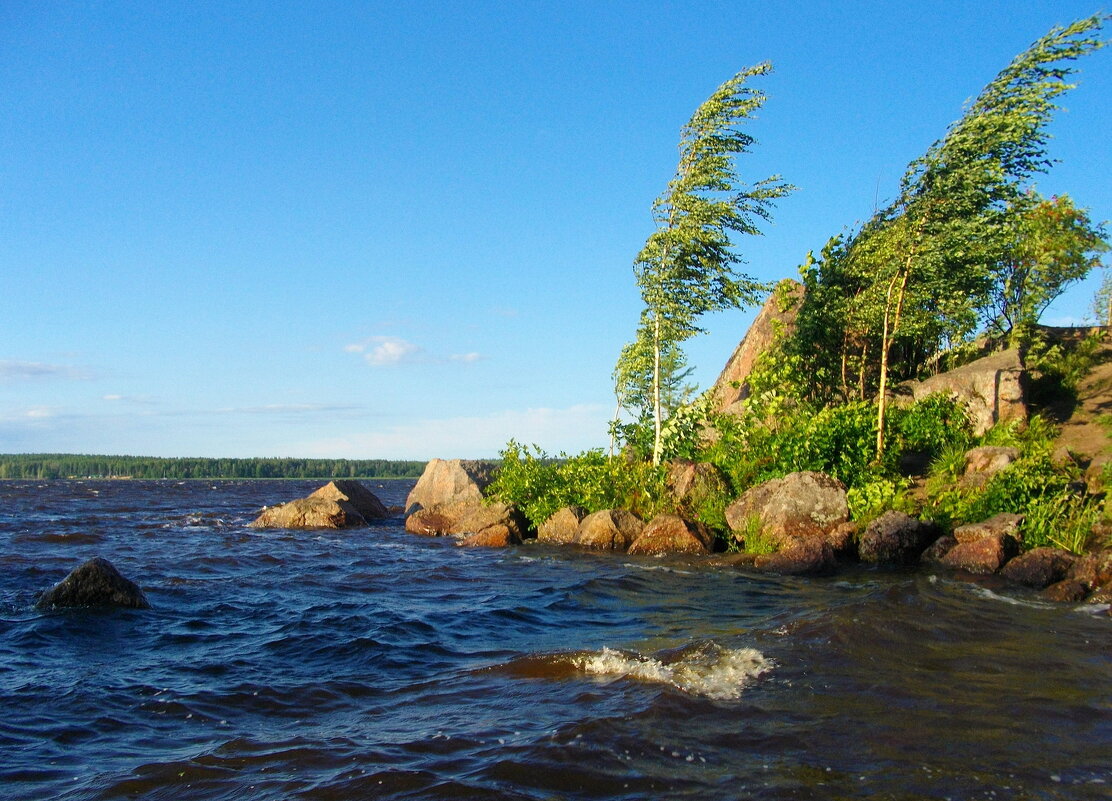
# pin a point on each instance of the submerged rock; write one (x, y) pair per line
(95, 583)
(672, 534)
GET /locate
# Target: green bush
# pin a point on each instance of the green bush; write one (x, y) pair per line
(869, 501)
(540, 485)
(932, 425)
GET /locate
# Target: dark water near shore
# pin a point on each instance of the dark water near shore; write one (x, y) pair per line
(375, 664)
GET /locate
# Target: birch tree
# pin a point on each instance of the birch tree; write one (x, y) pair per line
(687, 266)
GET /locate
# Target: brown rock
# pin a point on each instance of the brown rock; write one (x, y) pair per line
(984, 462)
(896, 538)
(494, 536)
(450, 483)
(1066, 591)
(843, 540)
(563, 527)
(1102, 595)
(1003, 524)
(338, 504)
(1093, 569)
(310, 513)
(429, 523)
(798, 505)
(983, 556)
(97, 582)
(1039, 567)
(993, 389)
(776, 318)
(672, 534)
(365, 502)
(801, 556)
(938, 549)
(692, 484)
(609, 530)
(494, 515)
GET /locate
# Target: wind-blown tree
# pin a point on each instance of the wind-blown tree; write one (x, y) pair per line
(921, 268)
(687, 266)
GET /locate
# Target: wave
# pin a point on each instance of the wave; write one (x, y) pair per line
(704, 669)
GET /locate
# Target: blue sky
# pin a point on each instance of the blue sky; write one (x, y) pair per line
(406, 230)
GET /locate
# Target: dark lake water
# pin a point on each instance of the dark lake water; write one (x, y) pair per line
(375, 664)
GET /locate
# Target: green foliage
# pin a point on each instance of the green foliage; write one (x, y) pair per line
(539, 485)
(753, 537)
(1061, 520)
(1059, 366)
(66, 465)
(870, 500)
(932, 425)
(1054, 244)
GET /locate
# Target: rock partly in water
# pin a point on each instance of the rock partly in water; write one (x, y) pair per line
(896, 538)
(562, 527)
(1039, 567)
(338, 504)
(671, 534)
(1066, 591)
(800, 556)
(429, 523)
(95, 583)
(938, 549)
(609, 530)
(1093, 569)
(803, 504)
(450, 483)
(495, 516)
(981, 556)
(365, 502)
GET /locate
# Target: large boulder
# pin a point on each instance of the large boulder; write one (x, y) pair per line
(896, 538)
(802, 504)
(984, 547)
(430, 523)
(562, 527)
(355, 493)
(450, 483)
(776, 318)
(672, 534)
(1093, 569)
(609, 530)
(496, 516)
(338, 504)
(992, 389)
(95, 583)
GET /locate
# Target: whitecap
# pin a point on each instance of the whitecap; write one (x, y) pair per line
(708, 669)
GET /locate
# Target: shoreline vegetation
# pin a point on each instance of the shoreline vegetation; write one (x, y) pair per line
(40, 466)
(901, 403)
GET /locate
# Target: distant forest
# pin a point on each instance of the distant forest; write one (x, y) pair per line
(67, 465)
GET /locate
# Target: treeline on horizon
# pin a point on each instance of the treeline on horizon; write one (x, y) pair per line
(65, 465)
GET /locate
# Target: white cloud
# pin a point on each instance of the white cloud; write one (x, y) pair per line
(384, 351)
(573, 429)
(40, 413)
(24, 371)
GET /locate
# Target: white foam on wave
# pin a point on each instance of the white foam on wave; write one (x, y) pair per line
(710, 670)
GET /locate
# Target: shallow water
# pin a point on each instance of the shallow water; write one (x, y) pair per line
(375, 664)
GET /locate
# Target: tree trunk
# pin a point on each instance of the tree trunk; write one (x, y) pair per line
(658, 442)
(887, 336)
